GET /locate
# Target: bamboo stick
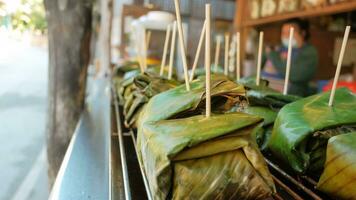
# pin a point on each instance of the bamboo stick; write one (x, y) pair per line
(165, 49)
(259, 59)
(339, 63)
(226, 60)
(207, 61)
(173, 47)
(182, 46)
(238, 64)
(144, 50)
(197, 54)
(148, 39)
(289, 56)
(217, 53)
(138, 51)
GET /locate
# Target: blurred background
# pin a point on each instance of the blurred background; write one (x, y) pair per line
(23, 99)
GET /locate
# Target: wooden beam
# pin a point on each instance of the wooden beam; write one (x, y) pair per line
(317, 11)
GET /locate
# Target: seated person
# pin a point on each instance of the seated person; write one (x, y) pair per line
(304, 58)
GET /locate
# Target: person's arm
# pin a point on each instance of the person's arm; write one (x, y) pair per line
(302, 68)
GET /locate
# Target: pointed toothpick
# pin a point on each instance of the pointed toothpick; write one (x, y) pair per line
(289, 57)
(238, 66)
(339, 63)
(138, 51)
(207, 60)
(165, 49)
(259, 59)
(226, 60)
(197, 54)
(182, 46)
(148, 39)
(144, 50)
(172, 52)
(217, 53)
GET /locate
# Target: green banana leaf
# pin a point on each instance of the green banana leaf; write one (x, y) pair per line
(338, 178)
(264, 102)
(178, 102)
(262, 95)
(302, 129)
(136, 91)
(263, 135)
(186, 155)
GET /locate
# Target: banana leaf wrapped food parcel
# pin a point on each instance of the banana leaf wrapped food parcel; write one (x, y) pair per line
(262, 95)
(264, 102)
(339, 175)
(302, 129)
(134, 92)
(188, 156)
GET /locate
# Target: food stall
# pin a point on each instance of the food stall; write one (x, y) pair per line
(155, 131)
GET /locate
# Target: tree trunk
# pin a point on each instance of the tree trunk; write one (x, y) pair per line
(69, 31)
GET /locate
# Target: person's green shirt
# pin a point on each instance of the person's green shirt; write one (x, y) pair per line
(303, 67)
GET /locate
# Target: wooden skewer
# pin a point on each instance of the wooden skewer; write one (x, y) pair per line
(165, 49)
(226, 64)
(339, 63)
(197, 54)
(148, 39)
(289, 56)
(182, 46)
(259, 59)
(238, 66)
(217, 53)
(173, 47)
(207, 61)
(144, 50)
(138, 51)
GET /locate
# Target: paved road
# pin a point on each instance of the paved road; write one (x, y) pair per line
(23, 90)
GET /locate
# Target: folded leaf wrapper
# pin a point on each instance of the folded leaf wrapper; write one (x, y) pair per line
(134, 92)
(264, 102)
(339, 176)
(189, 156)
(268, 115)
(302, 129)
(262, 95)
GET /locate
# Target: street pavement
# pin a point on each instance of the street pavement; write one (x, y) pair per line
(23, 101)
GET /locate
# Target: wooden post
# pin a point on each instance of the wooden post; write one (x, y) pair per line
(242, 11)
(69, 33)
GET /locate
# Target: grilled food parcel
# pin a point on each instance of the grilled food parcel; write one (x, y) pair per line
(264, 102)
(187, 155)
(302, 130)
(135, 91)
(339, 176)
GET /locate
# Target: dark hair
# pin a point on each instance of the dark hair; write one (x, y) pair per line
(303, 26)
